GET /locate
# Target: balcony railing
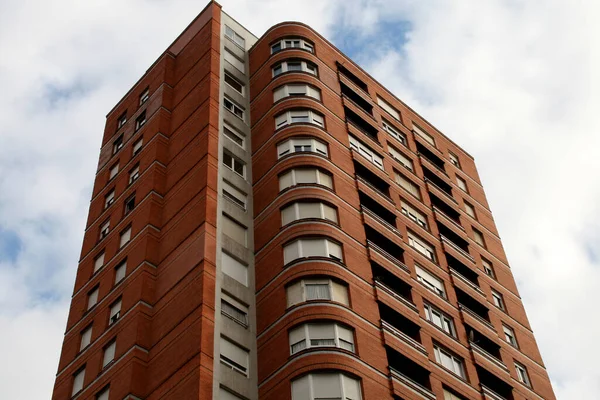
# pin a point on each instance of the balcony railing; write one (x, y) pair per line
(490, 394)
(472, 285)
(413, 386)
(448, 218)
(381, 220)
(424, 157)
(403, 336)
(472, 313)
(455, 247)
(373, 187)
(448, 195)
(385, 254)
(494, 360)
(396, 296)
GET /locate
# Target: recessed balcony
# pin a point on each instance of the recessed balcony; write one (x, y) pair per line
(409, 376)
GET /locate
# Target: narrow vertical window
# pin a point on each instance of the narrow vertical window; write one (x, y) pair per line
(98, 262)
(118, 144)
(122, 120)
(92, 298)
(134, 174)
(498, 299)
(137, 146)
(86, 338)
(120, 271)
(125, 237)
(144, 96)
(78, 379)
(140, 121)
(109, 353)
(114, 170)
(115, 312)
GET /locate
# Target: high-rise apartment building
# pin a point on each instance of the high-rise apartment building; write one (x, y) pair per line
(269, 222)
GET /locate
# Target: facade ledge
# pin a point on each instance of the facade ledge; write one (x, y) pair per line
(404, 337)
(413, 386)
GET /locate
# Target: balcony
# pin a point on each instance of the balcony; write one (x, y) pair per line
(393, 286)
(456, 239)
(385, 246)
(485, 348)
(453, 246)
(431, 157)
(343, 71)
(375, 211)
(493, 387)
(372, 180)
(474, 309)
(401, 327)
(409, 375)
(361, 124)
(446, 217)
(438, 182)
(438, 192)
(356, 98)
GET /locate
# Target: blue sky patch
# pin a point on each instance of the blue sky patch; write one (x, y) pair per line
(10, 245)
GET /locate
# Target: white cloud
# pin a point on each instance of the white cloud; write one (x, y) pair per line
(511, 80)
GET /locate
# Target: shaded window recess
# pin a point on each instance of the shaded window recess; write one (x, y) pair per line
(362, 125)
(371, 179)
(397, 285)
(356, 98)
(353, 78)
(431, 156)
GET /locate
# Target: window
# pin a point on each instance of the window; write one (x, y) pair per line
(98, 262)
(451, 396)
(305, 176)
(498, 299)
(104, 229)
(307, 210)
(440, 319)
(235, 230)
(478, 237)
(86, 338)
(234, 135)
(78, 378)
(311, 247)
(118, 144)
(125, 237)
(227, 395)
(388, 108)
(366, 151)
(488, 268)
(115, 312)
(134, 174)
(122, 120)
(234, 163)
(129, 204)
(509, 335)
(301, 145)
(449, 360)
(238, 111)
(234, 195)
(408, 185)
(393, 131)
(430, 281)
(401, 158)
(296, 89)
(233, 356)
(299, 117)
(144, 96)
(235, 37)
(235, 269)
(140, 121)
(470, 210)
(292, 43)
(428, 138)
(295, 66)
(454, 159)
(324, 334)
(120, 271)
(522, 374)
(234, 61)
(316, 289)
(461, 183)
(103, 395)
(421, 246)
(234, 83)
(416, 216)
(326, 386)
(109, 353)
(92, 298)
(114, 170)
(234, 309)
(137, 146)
(109, 199)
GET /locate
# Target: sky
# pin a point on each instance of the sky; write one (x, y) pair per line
(514, 82)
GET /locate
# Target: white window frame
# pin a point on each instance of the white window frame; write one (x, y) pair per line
(430, 281)
(114, 170)
(92, 298)
(416, 216)
(331, 288)
(522, 374)
(305, 66)
(440, 319)
(408, 185)
(393, 131)
(234, 309)
(137, 146)
(99, 262)
(318, 179)
(331, 249)
(421, 246)
(488, 268)
(309, 339)
(241, 366)
(478, 237)
(242, 88)
(234, 61)
(234, 195)
(234, 268)
(144, 96)
(308, 116)
(234, 108)
(109, 199)
(296, 89)
(498, 300)
(104, 229)
(454, 160)
(462, 184)
(388, 108)
(108, 355)
(134, 174)
(449, 360)
(302, 145)
(234, 160)
(401, 158)
(122, 121)
(103, 394)
(235, 37)
(78, 381)
(140, 121)
(308, 382)
(366, 152)
(295, 209)
(118, 143)
(292, 43)
(237, 225)
(120, 271)
(470, 210)
(426, 136)
(234, 135)
(509, 336)
(115, 312)
(86, 337)
(125, 237)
